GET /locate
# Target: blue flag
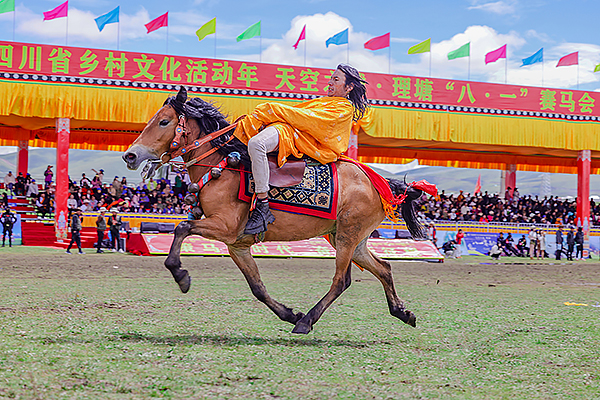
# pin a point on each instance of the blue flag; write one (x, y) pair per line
(536, 58)
(109, 18)
(338, 38)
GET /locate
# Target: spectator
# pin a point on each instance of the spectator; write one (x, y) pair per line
(8, 220)
(459, 237)
(579, 243)
(448, 248)
(495, 252)
(559, 242)
(75, 231)
(85, 181)
(10, 181)
(541, 243)
(32, 190)
(432, 232)
(114, 222)
(20, 185)
(533, 243)
(100, 228)
(570, 243)
(48, 176)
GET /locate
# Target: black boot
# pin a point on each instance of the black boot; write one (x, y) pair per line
(259, 219)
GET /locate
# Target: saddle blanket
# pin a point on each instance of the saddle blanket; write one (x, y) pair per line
(316, 195)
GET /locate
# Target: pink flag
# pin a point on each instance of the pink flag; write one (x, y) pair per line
(58, 12)
(495, 55)
(302, 37)
(569, 59)
(379, 42)
(478, 185)
(158, 22)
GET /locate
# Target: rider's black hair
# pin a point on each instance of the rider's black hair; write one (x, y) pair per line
(358, 94)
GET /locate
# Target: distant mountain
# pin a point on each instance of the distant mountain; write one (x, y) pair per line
(452, 180)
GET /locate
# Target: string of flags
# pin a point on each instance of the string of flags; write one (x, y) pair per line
(340, 38)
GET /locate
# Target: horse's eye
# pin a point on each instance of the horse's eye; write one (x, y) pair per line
(164, 122)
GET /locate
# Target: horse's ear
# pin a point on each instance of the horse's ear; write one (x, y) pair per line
(181, 95)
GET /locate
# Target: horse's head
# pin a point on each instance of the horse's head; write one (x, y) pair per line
(156, 138)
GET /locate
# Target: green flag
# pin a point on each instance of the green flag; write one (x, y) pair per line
(252, 31)
(207, 29)
(423, 47)
(597, 68)
(7, 6)
(462, 51)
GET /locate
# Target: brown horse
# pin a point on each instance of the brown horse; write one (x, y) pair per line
(359, 211)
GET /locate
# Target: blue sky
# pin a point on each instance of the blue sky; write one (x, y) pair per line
(561, 27)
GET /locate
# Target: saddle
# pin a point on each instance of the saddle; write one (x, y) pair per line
(290, 174)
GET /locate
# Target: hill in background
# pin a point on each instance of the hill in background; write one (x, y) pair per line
(452, 180)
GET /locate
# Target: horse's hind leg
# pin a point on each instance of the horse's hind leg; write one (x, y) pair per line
(173, 261)
(341, 281)
(245, 262)
(383, 271)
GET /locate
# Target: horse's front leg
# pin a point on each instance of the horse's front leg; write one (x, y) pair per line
(245, 262)
(173, 261)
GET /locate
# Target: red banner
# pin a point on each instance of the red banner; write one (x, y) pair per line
(123, 68)
(314, 248)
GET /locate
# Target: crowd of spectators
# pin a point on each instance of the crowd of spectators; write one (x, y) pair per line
(484, 207)
(164, 196)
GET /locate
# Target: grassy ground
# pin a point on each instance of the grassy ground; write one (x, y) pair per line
(115, 326)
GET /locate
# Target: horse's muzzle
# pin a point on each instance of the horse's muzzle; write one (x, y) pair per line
(136, 155)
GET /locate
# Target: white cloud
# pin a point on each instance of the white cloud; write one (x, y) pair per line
(496, 7)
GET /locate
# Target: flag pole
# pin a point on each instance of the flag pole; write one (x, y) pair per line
(389, 59)
(167, 50)
(430, 63)
(506, 70)
(348, 54)
(215, 42)
(469, 68)
(118, 34)
(305, 48)
(14, 22)
(577, 74)
(260, 47)
(67, 31)
(542, 73)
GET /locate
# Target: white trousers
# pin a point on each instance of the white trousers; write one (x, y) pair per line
(264, 142)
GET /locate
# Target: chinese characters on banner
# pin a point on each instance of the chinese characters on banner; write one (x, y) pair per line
(178, 70)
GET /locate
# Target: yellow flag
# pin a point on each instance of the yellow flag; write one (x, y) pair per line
(207, 29)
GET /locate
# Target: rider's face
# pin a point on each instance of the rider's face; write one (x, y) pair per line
(337, 85)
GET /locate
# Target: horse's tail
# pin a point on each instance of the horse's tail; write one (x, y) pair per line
(416, 229)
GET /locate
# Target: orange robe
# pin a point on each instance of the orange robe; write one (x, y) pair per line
(319, 128)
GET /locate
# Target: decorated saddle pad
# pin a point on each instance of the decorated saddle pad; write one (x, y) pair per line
(316, 195)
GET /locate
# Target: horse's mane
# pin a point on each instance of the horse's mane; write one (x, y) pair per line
(210, 119)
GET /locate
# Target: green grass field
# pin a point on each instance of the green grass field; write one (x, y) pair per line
(115, 326)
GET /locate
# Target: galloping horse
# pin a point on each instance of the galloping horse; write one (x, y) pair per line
(359, 209)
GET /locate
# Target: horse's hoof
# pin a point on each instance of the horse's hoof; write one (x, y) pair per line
(298, 316)
(185, 283)
(302, 328)
(411, 319)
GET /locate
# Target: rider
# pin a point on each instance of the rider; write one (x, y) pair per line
(319, 128)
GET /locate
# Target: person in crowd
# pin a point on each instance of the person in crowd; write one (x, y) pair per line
(495, 252)
(448, 248)
(579, 238)
(33, 190)
(570, 243)
(20, 185)
(533, 243)
(541, 244)
(99, 174)
(114, 222)
(75, 231)
(71, 204)
(8, 220)
(48, 177)
(509, 247)
(9, 182)
(459, 237)
(559, 242)
(100, 228)
(85, 181)
(432, 232)
(522, 246)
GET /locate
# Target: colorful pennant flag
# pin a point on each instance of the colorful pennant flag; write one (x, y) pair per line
(569, 59)
(478, 185)
(535, 58)
(58, 12)
(7, 6)
(338, 38)
(207, 29)
(597, 68)
(495, 55)
(252, 31)
(158, 22)
(423, 47)
(301, 37)
(462, 51)
(109, 18)
(379, 42)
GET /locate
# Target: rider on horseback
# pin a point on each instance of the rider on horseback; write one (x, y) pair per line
(319, 128)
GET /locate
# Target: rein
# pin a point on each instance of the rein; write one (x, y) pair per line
(177, 150)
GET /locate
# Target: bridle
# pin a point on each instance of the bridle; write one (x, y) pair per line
(180, 146)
